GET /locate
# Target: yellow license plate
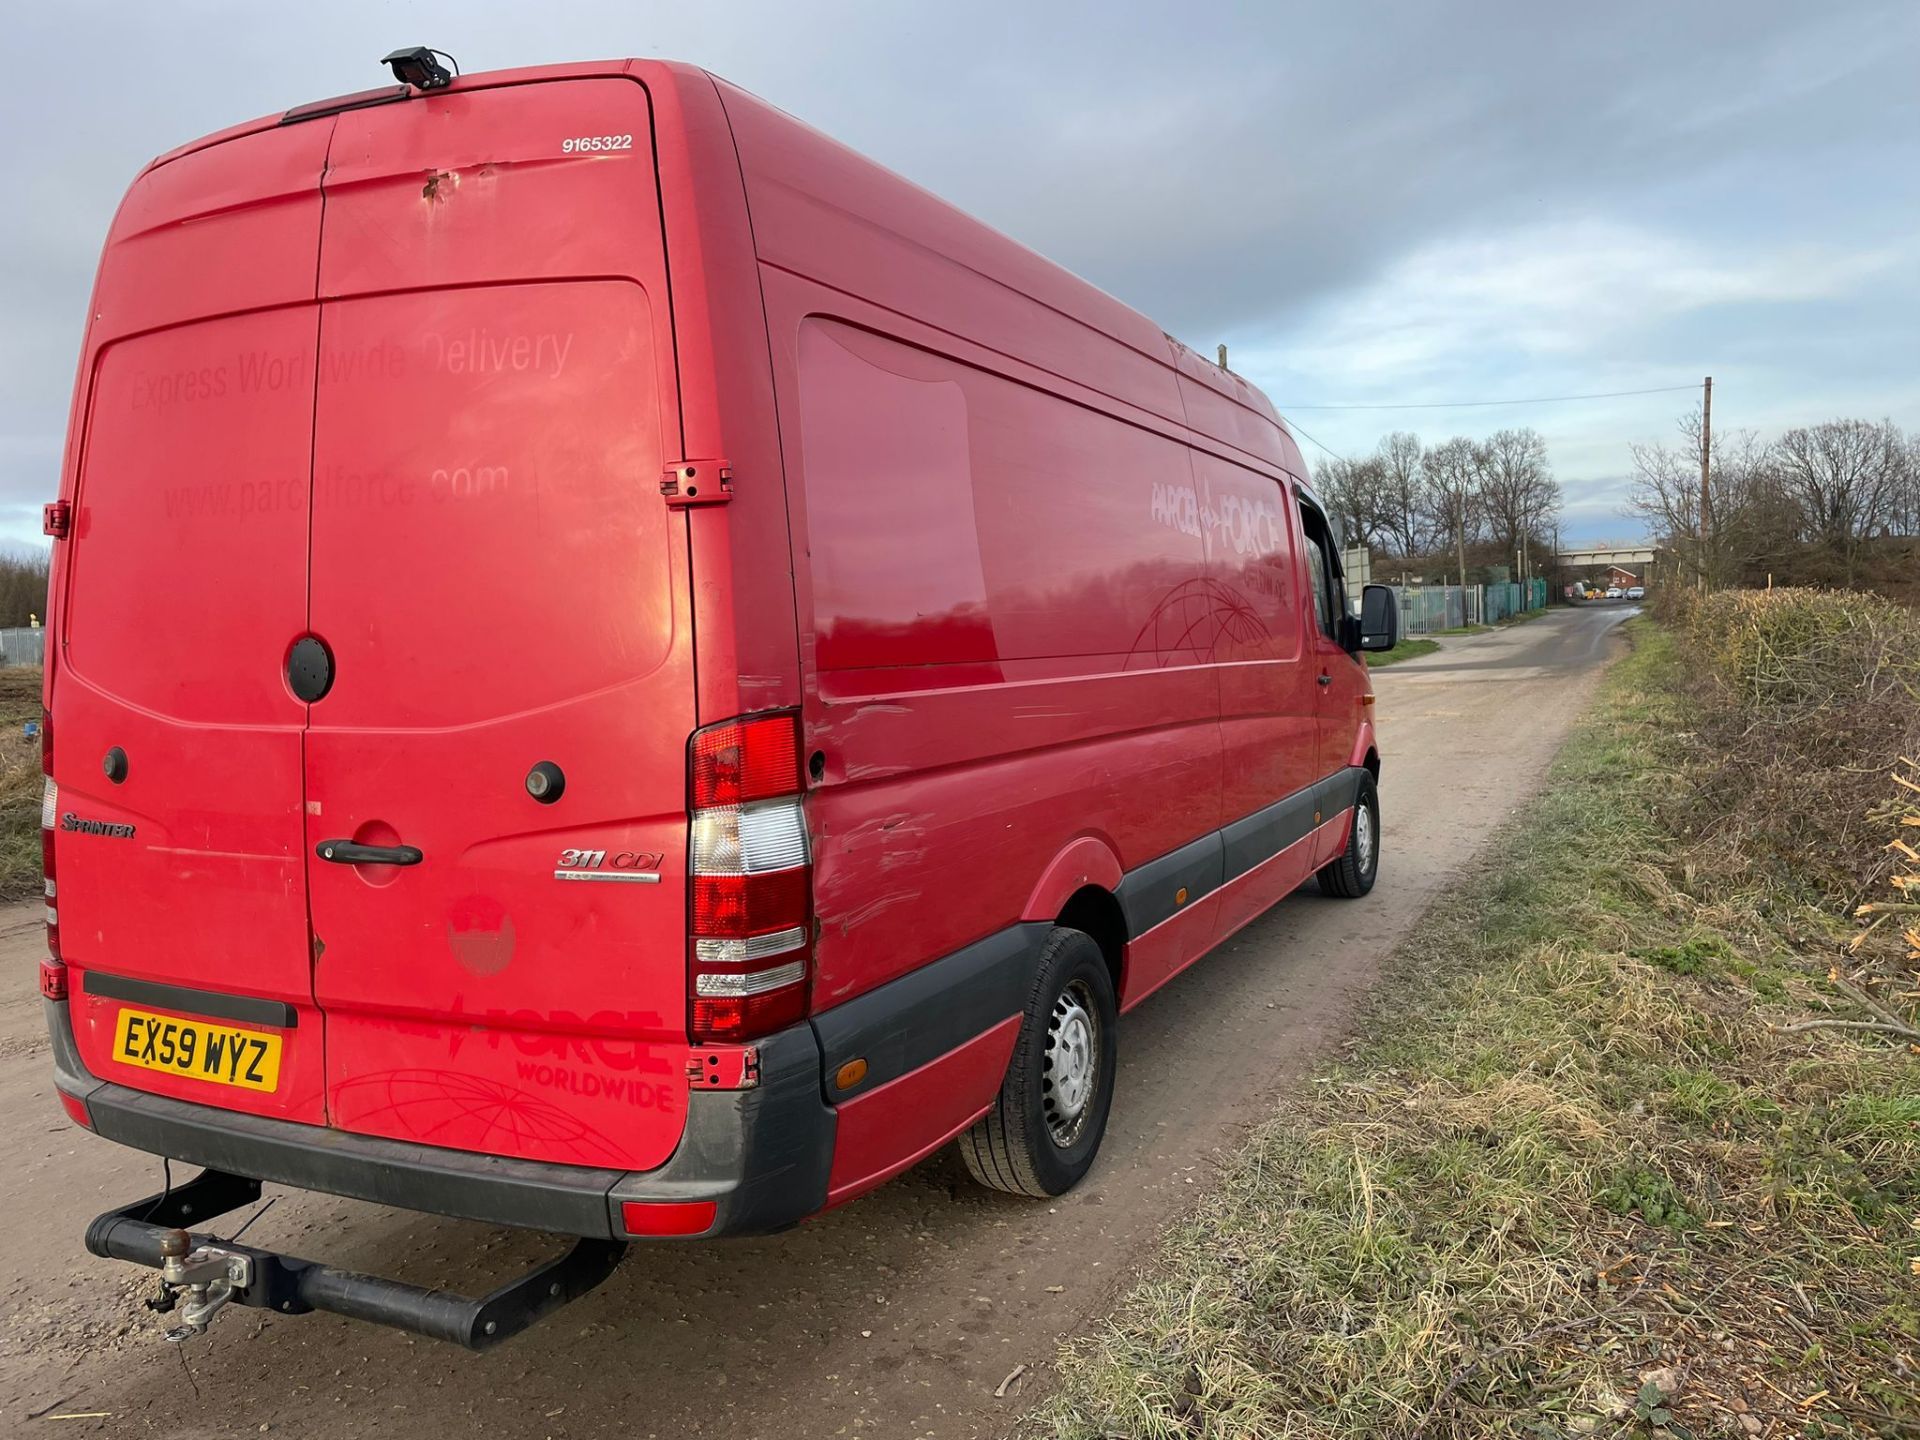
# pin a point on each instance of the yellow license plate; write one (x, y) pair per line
(218, 1053)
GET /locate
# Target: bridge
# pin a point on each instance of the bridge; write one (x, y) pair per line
(1626, 559)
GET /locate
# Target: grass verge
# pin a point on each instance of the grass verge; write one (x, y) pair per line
(1569, 1182)
(1405, 650)
(19, 783)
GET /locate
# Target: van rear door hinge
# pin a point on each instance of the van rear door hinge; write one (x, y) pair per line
(697, 482)
(57, 519)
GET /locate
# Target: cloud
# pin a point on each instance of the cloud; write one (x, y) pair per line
(1548, 296)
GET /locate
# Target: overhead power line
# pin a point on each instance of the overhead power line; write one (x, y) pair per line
(1476, 404)
(1304, 436)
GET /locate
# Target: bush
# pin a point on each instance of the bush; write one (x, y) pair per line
(1805, 700)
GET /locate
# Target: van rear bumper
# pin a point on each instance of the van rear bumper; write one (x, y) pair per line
(761, 1155)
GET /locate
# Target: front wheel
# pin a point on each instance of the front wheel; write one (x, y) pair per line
(1352, 875)
(1044, 1129)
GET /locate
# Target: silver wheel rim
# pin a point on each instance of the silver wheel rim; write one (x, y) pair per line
(1072, 1064)
(1363, 837)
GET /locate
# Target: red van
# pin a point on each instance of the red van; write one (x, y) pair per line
(621, 669)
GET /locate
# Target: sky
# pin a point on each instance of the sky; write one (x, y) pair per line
(1372, 205)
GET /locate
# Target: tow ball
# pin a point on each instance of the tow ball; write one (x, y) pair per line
(198, 1281)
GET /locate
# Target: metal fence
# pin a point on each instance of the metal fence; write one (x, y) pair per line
(1428, 609)
(23, 645)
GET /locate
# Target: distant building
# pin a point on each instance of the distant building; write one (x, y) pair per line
(1613, 575)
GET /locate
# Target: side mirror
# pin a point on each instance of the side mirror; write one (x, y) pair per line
(1379, 618)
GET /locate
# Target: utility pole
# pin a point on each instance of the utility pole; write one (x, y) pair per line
(1706, 492)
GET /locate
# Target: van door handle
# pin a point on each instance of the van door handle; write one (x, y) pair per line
(346, 852)
(1325, 679)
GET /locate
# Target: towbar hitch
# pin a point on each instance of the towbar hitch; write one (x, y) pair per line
(202, 1274)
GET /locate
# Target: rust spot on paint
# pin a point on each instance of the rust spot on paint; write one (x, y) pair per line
(431, 190)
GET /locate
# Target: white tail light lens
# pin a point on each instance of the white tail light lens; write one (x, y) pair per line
(750, 982)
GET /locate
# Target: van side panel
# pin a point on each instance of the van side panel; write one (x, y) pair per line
(1047, 591)
(1005, 655)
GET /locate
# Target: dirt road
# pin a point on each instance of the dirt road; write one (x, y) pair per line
(896, 1316)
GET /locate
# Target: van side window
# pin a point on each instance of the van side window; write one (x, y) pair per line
(1323, 561)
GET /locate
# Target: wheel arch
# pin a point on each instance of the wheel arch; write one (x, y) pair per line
(1096, 912)
(1365, 751)
(1077, 889)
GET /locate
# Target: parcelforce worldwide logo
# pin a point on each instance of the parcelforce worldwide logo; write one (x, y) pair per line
(71, 821)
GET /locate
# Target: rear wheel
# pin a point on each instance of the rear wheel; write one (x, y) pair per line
(1352, 875)
(1045, 1127)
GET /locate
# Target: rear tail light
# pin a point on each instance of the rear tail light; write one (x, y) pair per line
(751, 901)
(49, 821)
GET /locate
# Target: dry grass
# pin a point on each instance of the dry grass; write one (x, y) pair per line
(1804, 701)
(1570, 1182)
(19, 783)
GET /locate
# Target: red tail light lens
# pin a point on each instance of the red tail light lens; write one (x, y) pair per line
(746, 760)
(730, 907)
(716, 1019)
(750, 909)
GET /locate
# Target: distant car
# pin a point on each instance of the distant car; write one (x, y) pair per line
(1636, 592)
(1613, 592)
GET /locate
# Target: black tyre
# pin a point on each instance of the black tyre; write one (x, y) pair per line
(1352, 875)
(1043, 1131)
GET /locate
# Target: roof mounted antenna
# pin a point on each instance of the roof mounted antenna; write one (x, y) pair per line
(415, 65)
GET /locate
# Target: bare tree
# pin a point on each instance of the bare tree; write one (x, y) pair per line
(1451, 472)
(1906, 510)
(1847, 477)
(1402, 509)
(1351, 490)
(23, 588)
(1756, 526)
(1518, 490)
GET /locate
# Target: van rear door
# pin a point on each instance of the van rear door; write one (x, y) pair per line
(179, 850)
(505, 598)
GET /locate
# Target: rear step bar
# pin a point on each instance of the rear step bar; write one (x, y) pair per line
(200, 1274)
